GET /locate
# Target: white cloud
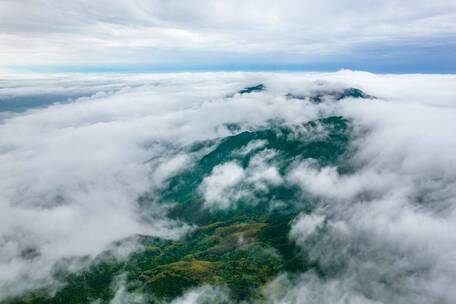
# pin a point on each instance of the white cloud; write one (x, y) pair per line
(398, 208)
(217, 188)
(71, 173)
(122, 296)
(204, 294)
(261, 174)
(198, 295)
(305, 226)
(251, 147)
(229, 182)
(312, 290)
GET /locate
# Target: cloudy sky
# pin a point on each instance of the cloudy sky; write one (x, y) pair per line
(140, 35)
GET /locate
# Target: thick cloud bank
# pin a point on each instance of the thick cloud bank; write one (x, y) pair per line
(71, 175)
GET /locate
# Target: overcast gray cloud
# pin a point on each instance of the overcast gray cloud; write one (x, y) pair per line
(205, 33)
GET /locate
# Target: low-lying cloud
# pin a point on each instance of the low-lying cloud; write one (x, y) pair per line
(72, 174)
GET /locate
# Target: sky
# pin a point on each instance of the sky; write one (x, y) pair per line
(167, 35)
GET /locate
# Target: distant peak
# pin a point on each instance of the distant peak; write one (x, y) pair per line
(253, 89)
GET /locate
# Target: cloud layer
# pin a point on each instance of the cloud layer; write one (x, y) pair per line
(72, 173)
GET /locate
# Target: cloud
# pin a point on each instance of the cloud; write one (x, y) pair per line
(215, 187)
(71, 175)
(312, 290)
(158, 33)
(396, 210)
(72, 172)
(305, 226)
(229, 183)
(252, 146)
(204, 294)
(122, 296)
(262, 174)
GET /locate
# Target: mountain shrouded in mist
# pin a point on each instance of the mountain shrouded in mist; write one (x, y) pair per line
(228, 188)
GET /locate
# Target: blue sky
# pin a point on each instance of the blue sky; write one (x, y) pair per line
(155, 35)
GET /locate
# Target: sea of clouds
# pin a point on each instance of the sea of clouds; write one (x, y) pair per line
(71, 174)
